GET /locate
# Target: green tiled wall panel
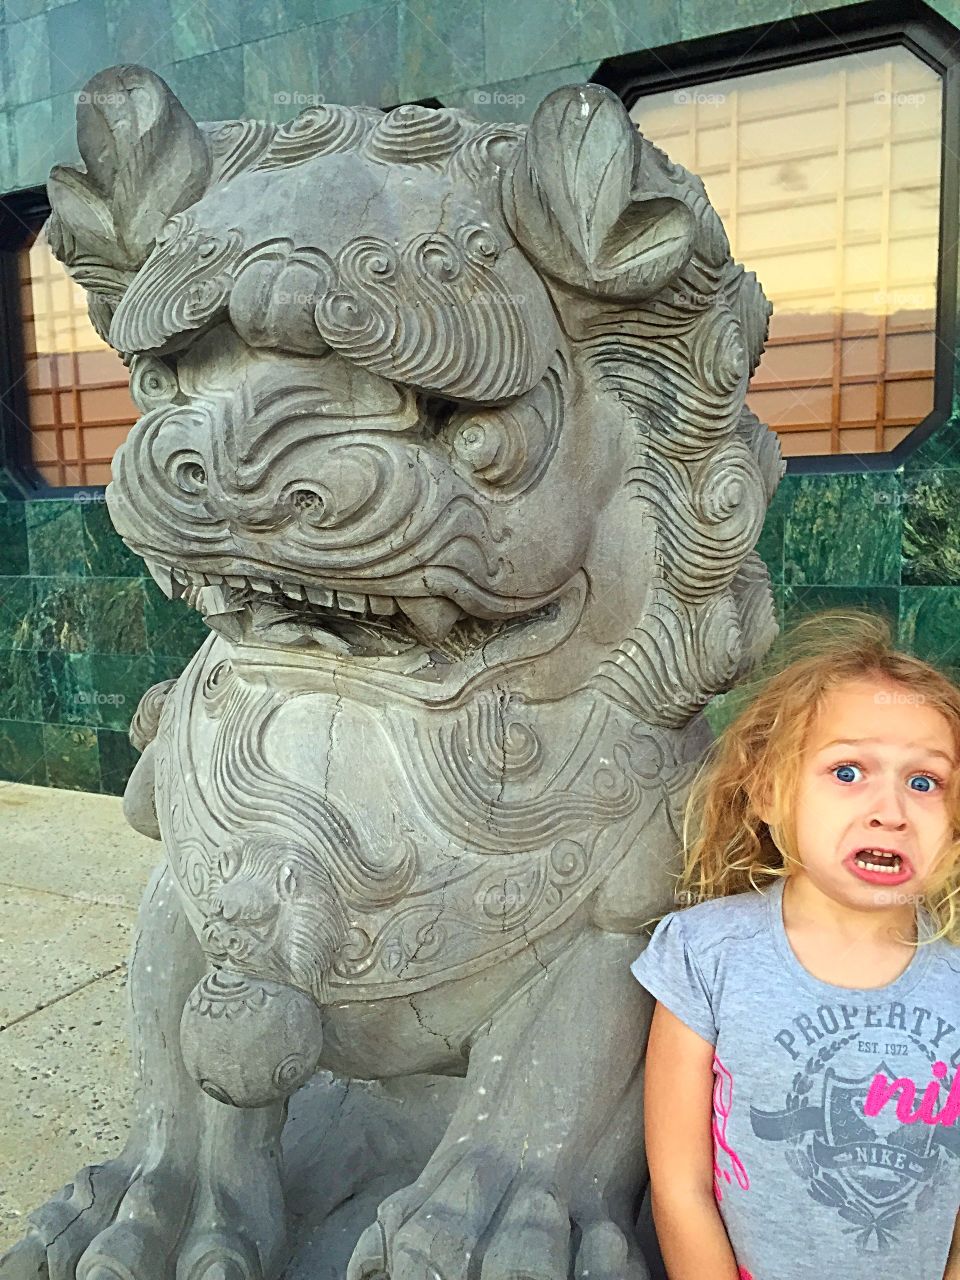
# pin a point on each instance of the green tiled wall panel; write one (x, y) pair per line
(83, 630)
(83, 634)
(237, 57)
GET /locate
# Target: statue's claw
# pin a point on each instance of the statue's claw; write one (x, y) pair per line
(369, 1260)
(533, 1240)
(604, 1254)
(460, 1230)
(25, 1261)
(215, 1257)
(124, 1251)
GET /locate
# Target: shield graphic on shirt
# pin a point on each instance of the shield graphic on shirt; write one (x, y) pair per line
(868, 1153)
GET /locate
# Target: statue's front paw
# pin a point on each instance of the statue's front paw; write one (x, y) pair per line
(125, 1221)
(471, 1225)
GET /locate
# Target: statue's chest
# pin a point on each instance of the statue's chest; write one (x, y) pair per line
(447, 839)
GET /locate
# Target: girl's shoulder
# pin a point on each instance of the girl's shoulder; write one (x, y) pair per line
(712, 921)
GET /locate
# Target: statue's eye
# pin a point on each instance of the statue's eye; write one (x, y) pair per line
(306, 499)
(435, 413)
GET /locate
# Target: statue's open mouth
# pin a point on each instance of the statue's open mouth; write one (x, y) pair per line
(259, 610)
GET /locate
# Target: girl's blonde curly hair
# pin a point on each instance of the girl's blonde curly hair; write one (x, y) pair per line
(756, 760)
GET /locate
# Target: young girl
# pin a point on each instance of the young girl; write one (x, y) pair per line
(802, 1094)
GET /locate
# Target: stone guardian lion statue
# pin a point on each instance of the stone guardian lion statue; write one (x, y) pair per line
(443, 433)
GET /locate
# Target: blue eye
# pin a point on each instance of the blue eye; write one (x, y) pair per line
(927, 777)
(843, 772)
(923, 777)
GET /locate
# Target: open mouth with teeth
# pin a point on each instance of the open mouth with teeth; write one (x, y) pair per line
(259, 610)
(874, 860)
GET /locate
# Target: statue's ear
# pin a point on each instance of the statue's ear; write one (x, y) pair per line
(583, 207)
(145, 160)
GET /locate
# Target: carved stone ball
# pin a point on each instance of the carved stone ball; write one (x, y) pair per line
(249, 1042)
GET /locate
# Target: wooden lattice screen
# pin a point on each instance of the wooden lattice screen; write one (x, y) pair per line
(80, 408)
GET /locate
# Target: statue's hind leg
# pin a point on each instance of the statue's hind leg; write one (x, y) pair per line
(195, 1193)
(539, 1172)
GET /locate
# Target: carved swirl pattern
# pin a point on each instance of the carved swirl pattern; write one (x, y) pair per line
(153, 384)
(291, 1072)
(507, 899)
(320, 130)
(413, 134)
(439, 313)
(235, 145)
(486, 153)
(501, 905)
(471, 776)
(230, 996)
(181, 286)
(274, 295)
(715, 509)
(146, 718)
(415, 916)
(679, 654)
(403, 944)
(718, 354)
(218, 688)
(244, 787)
(510, 448)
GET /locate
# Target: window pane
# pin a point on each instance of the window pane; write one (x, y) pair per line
(827, 178)
(80, 407)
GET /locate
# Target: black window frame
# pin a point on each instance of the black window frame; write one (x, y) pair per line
(813, 37)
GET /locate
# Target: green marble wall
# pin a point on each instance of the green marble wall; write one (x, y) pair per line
(83, 632)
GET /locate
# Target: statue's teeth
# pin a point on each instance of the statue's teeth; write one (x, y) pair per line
(352, 602)
(320, 595)
(432, 616)
(382, 605)
(258, 584)
(162, 575)
(218, 613)
(292, 590)
(232, 580)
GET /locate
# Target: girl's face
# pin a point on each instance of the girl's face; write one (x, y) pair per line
(871, 811)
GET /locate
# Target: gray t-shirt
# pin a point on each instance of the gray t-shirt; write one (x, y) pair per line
(836, 1123)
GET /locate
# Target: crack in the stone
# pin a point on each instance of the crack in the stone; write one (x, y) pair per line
(533, 947)
(430, 1030)
(337, 709)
